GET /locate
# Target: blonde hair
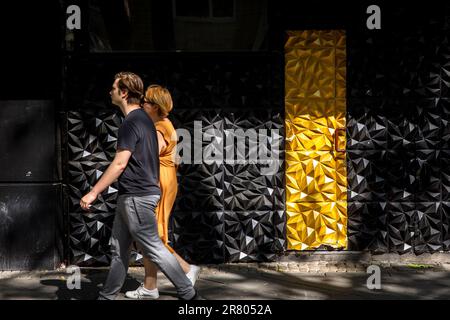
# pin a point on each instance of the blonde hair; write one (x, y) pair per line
(159, 97)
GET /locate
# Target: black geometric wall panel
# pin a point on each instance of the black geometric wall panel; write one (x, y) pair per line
(444, 109)
(398, 127)
(366, 179)
(445, 216)
(257, 182)
(428, 124)
(249, 236)
(400, 176)
(366, 124)
(429, 229)
(369, 66)
(445, 67)
(418, 69)
(247, 189)
(405, 63)
(428, 175)
(230, 185)
(198, 236)
(401, 121)
(90, 237)
(445, 174)
(204, 147)
(368, 226)
(92, 138)
(401, 226)
(200, 186)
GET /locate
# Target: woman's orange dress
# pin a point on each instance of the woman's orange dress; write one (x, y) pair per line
(167, 178)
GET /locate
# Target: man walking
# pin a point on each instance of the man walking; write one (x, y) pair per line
(136, 166)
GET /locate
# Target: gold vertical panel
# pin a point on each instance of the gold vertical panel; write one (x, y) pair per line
(315, 39)
(341, 176)
(315, 106)
(341, 73)
(311, 176)
(311, 123)
(340, 157)
(313, 224)
(311, 73)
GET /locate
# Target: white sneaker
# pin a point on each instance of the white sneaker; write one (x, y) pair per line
(142, 293)
(193, 273)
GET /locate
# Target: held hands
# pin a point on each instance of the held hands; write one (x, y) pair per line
(87, 200)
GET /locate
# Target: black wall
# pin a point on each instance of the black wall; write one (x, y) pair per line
(31, 35)
(28, 136)
(30, 189)
(31, 208)
(397, 112)
(397, 123)
(30, 222)
(224, 212)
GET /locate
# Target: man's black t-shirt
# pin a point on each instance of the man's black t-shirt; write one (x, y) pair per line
(138, 135)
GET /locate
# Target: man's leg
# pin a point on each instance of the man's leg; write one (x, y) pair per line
(120, 251)
(144, 230)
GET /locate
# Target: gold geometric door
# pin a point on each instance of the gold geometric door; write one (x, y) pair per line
(315, 105)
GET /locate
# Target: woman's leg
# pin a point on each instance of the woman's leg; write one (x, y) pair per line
(151, 272)
(163, 224)
(168, 182)
(186, 266)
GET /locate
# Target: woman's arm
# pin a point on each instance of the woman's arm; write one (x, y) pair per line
(161, 142)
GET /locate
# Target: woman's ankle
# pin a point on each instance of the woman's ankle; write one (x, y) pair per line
(186, 268)
(149, 286)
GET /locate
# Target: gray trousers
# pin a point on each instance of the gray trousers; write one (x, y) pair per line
(135, 220)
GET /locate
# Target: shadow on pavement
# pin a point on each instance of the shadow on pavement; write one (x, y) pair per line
(91, 283)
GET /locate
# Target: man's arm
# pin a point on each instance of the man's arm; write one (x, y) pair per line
(111, 174)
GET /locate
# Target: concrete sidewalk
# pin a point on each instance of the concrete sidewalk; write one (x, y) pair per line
(244, 282)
